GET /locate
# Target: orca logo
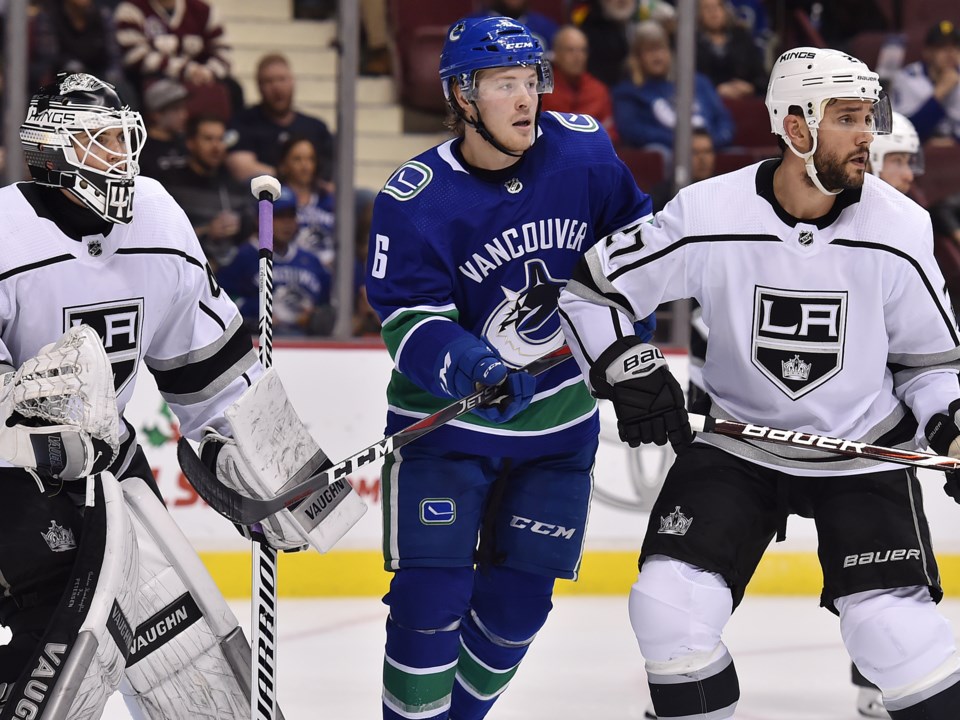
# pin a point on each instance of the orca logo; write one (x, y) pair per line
(408, 181)
(119, 324)
(526, 325)
(798, 337)
(578, 123)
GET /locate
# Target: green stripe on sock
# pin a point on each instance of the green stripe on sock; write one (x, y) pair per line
(414, 692)
(483, 681)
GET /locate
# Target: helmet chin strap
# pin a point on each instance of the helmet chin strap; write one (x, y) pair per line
(808, 164)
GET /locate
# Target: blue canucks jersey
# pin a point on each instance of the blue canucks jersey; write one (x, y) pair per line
(455, 249)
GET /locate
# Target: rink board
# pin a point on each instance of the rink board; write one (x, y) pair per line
(339, 392)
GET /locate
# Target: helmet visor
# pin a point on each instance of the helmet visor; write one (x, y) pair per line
(858, 115)
(509, 80)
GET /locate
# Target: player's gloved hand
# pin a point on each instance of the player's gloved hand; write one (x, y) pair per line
(943, 434)
(647, 398)
(466, 365)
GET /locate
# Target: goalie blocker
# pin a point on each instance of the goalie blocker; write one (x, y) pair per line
(271, 451)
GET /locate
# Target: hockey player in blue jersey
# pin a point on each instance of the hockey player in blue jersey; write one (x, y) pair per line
(470, 245)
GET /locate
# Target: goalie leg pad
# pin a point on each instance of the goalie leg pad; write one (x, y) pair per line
(187, 636)
(271, 450)
(79, 661)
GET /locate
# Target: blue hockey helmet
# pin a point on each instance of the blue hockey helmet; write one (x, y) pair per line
(478, 43)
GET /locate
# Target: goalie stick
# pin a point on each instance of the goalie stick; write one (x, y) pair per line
(825, 443)
(240, 508)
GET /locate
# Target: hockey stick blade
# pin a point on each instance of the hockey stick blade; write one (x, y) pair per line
(330, 484)
(825, 443)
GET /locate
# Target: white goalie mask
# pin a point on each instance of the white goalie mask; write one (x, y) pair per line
(79, 136)
(808, 79)
(902, 139)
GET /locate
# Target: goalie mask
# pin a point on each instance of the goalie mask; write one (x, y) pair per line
(484, 43)
(79, 136)
(808, 79)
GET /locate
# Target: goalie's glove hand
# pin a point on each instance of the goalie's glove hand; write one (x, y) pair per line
(647, 398)
(466, 365)
(943, 434)
(219, 454)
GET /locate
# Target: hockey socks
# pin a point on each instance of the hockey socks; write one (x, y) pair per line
(418, 672)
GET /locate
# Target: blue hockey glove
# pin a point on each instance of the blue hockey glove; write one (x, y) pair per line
(647, 398)
(943, 434)
(467, 364)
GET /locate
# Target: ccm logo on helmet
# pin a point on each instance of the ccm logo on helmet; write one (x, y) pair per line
(869, 558)
(797, 55)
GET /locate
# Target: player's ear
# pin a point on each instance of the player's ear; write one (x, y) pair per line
(797, 131)
(466, 107)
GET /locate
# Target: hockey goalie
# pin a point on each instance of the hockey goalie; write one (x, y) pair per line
(100, 274)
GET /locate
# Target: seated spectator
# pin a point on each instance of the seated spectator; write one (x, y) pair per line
(543, 27)
(301, 285)
(75, 36)
(928, 91)
(644, 109)
(219, 208)
(606, 24)
(180, 40)
(574, 89)
(727, 54)
(264, 128)
(297, 170)
(165, 116)
(703, 164)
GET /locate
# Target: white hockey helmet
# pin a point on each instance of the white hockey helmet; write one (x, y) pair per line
(808, 78)
(902, 139)
(65, 143)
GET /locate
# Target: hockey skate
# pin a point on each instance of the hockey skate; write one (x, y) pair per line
(870, 703)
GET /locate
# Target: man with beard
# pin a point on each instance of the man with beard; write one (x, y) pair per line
(263, 129)
(827, 316)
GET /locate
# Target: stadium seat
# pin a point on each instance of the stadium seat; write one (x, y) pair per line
(553, 9)
(647, 166)
(418, 78)
(730, 160)
(865, 46)
(751, 122)
(942, 172)
(406, 15)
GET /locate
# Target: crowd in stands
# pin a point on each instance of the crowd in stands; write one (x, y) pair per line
(612, 59)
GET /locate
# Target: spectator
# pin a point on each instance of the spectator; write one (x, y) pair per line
(264, 128)
(181, 40)
(297, 170)
(928, 91)
(220, 209)
(376, 37)
(574, 89)
(75, 36)
(606, 24)
(644, 109)
(542, 27)
(703, 164)
(166, 120)
(301, 285)
(726, 53)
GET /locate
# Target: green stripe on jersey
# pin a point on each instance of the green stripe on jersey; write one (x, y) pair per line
(417, 692)
(396, 330)
(484, 681)
(543, 416)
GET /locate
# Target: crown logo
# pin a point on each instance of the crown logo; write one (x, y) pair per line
(795, 369)
(59, 539)
(676, 523)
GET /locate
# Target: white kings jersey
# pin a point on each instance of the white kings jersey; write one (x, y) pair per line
(839, 326)
(145, 288)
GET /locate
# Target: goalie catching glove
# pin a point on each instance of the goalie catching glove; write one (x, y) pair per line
(943, 434)
(647, 398)
(59, 409)
(466, 365)
(269, 450)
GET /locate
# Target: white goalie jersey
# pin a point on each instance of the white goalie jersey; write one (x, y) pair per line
(147, 290)
(839, 326)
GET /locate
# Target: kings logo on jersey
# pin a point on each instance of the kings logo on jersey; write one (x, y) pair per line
(119, 324)
(526, 325)
(798, 337)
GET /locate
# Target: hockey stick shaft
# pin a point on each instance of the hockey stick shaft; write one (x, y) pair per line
(246, 510)
(825, 443)
(263, 571)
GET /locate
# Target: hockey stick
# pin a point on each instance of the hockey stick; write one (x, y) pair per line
(245, 510)
(825, 443)
(263, 591)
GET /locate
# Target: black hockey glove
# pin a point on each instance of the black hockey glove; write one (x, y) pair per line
(943, 434)
(647, 398)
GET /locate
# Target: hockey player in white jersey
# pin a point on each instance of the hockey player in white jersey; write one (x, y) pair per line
(826, 315)
(88, 244)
